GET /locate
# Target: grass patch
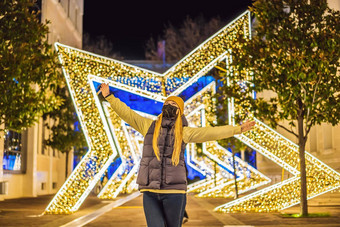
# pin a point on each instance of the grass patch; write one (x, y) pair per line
(310, 215)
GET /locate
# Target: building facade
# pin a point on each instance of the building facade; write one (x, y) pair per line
(29, 168)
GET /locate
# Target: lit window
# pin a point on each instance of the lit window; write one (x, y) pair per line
(13, 152)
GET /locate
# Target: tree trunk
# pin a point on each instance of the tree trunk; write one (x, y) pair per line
(2, 150)
(66, 169)
(215, 174)
(235, 178)
(303, 181)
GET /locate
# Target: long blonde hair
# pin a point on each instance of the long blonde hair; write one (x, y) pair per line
(178, 138)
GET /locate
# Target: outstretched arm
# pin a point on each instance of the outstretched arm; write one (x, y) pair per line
(139, 123)
(204, 134)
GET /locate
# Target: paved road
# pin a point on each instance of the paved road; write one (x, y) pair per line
(26, 211)
(131, 214)
(201, 214)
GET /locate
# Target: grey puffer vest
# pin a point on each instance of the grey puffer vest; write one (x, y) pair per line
(154, 174)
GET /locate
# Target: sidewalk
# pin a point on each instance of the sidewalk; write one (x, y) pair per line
(26, 212)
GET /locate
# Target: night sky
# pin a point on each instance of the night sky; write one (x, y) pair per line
(128, 25)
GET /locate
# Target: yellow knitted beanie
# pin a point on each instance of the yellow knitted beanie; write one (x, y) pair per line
(177, 100)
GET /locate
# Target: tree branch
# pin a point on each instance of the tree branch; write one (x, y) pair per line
(308, 128)
(288, 130)
(308, 110)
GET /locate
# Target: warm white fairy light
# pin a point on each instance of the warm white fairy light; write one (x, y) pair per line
(320, 177)
(222, 187)
(118, 182)
(79, 66)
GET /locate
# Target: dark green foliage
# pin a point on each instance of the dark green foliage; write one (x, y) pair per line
(293, 55)
(28, 66)
(64, 137)
(30, 78)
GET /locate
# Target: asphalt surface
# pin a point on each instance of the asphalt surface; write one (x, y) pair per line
(27, 212)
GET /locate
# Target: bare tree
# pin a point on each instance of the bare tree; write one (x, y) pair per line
(180, 41)
(101, 46)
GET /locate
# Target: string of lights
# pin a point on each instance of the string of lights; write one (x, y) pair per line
(124, 178)
(199, 111)
(80, 66)
(320, 177)
(107, 138)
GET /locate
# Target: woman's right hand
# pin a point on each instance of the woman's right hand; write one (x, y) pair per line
(104, 88)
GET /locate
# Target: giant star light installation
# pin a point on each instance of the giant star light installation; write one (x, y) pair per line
(106, 136)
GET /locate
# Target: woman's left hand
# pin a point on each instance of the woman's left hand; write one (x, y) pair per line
(246, 126)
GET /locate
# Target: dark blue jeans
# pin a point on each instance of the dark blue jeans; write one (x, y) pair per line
(164, 209)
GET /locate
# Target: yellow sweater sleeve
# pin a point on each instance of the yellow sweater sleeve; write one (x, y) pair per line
(204, 134)
(139, 123)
